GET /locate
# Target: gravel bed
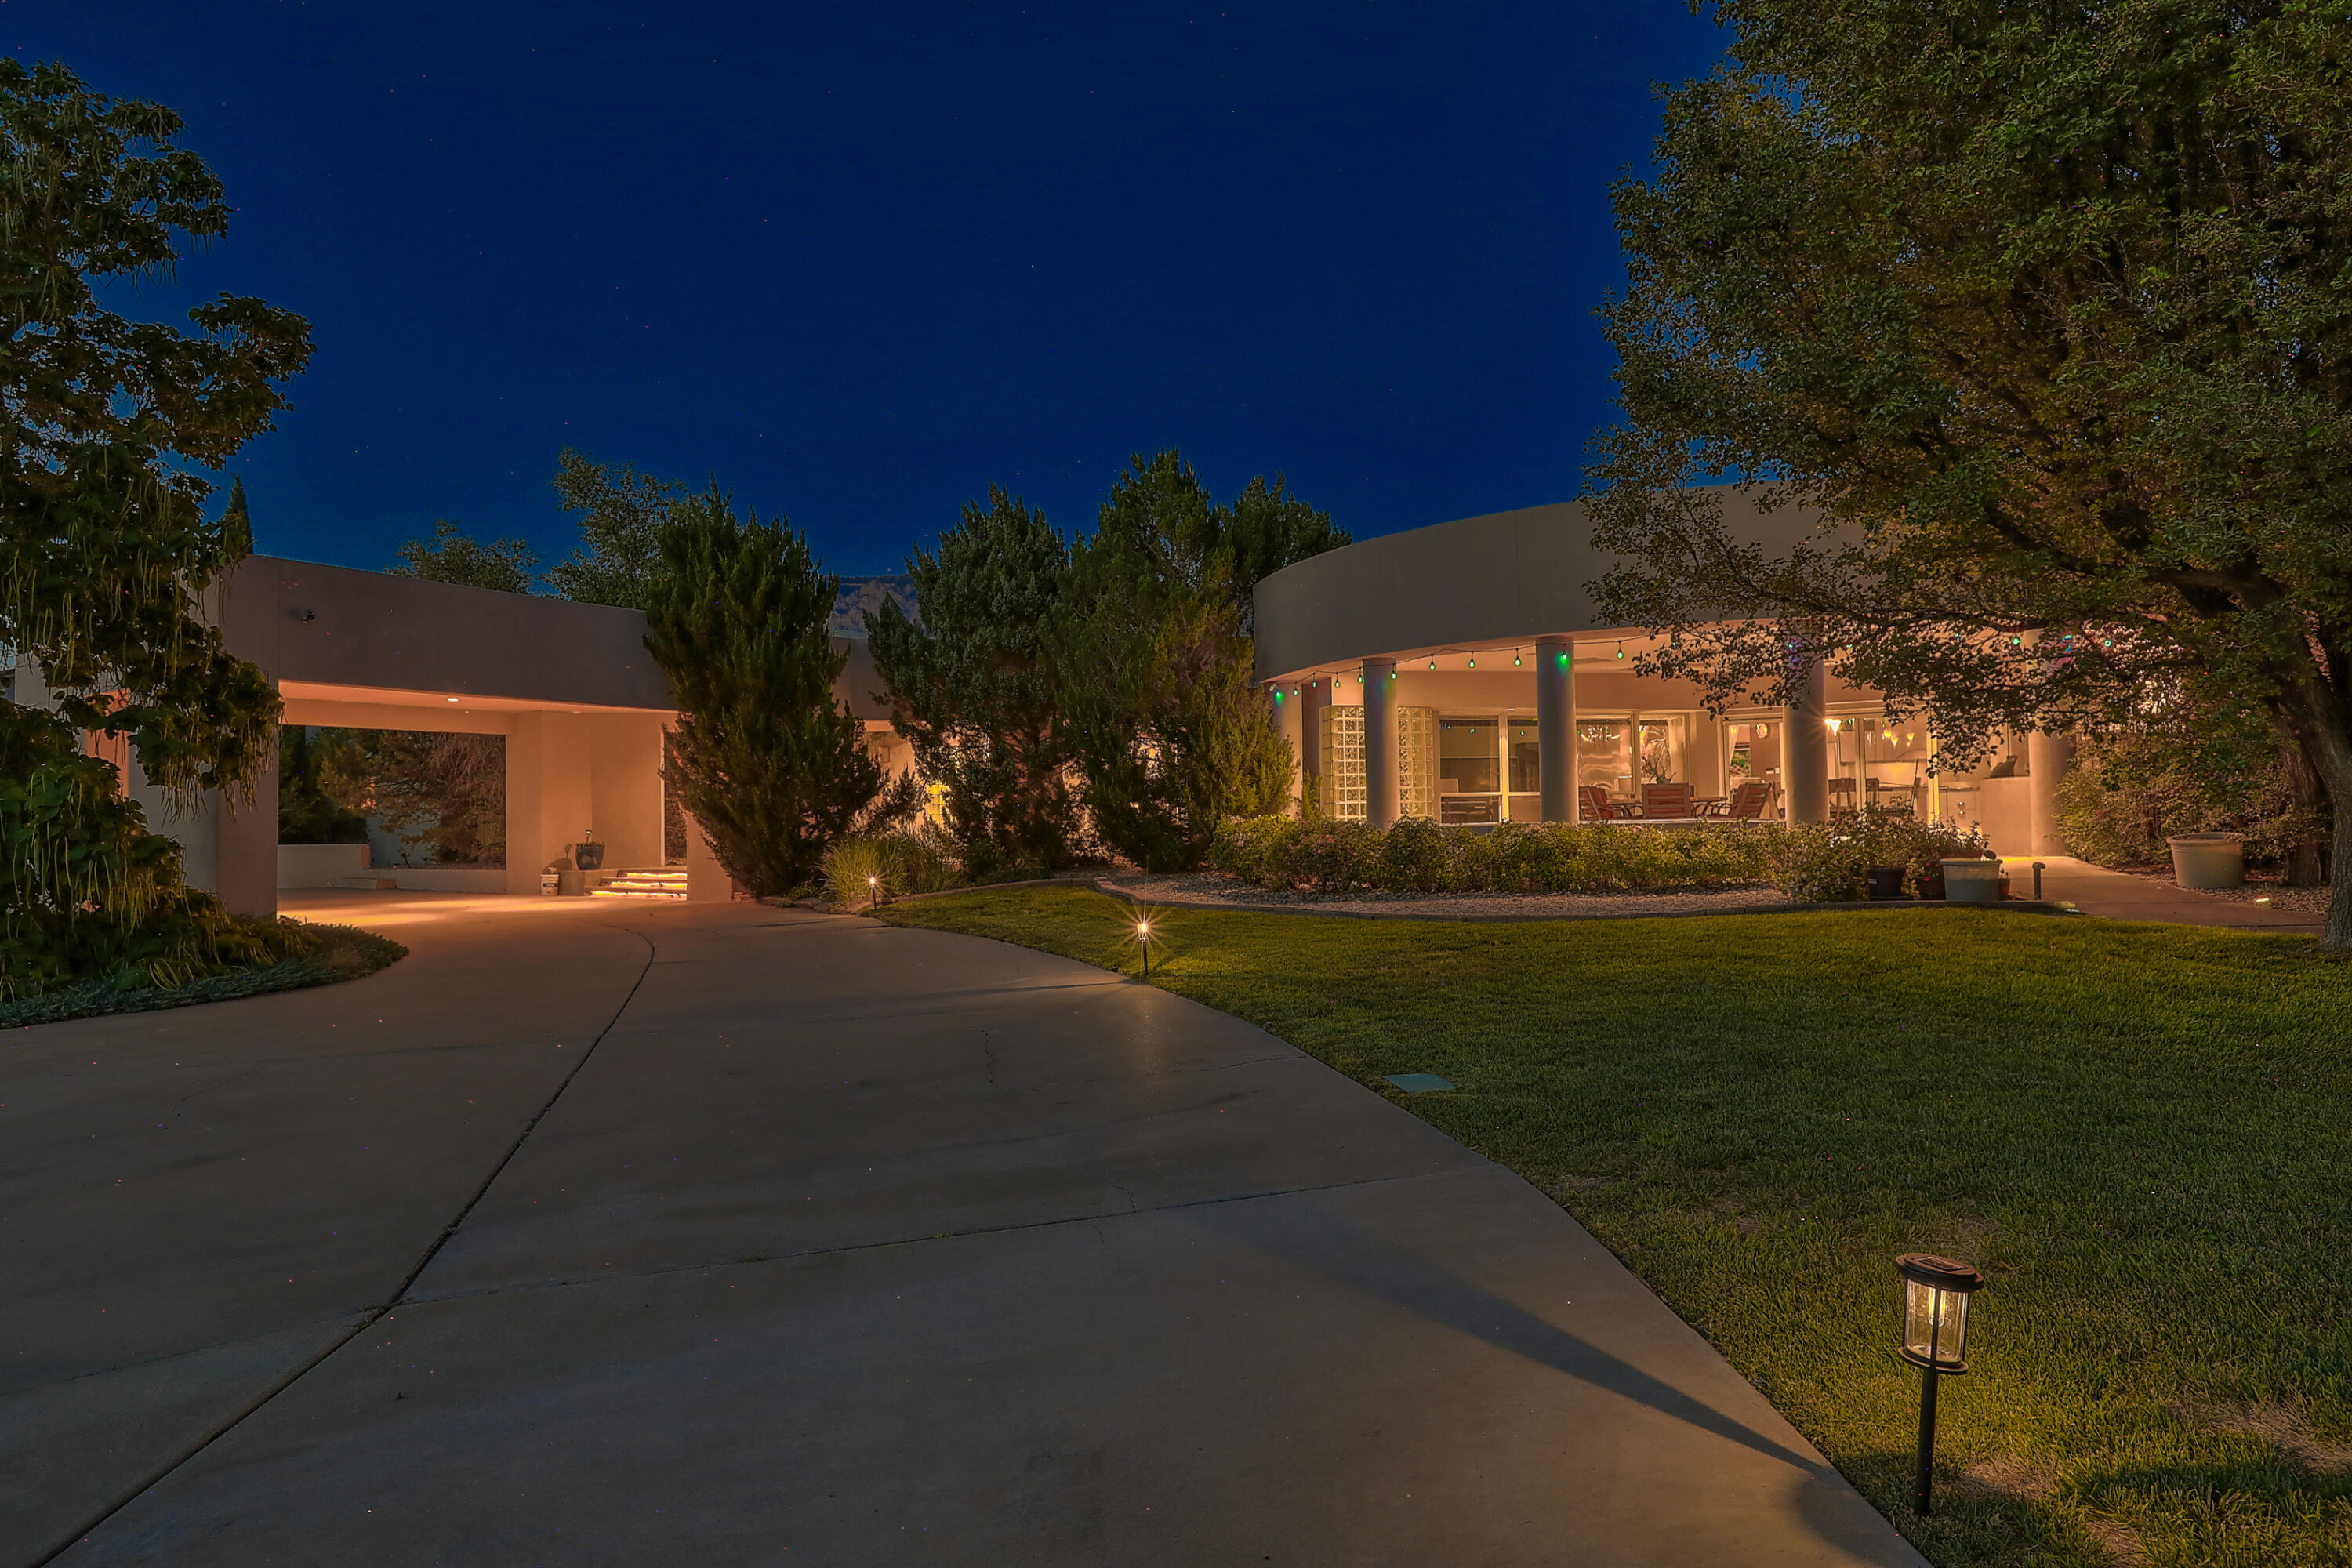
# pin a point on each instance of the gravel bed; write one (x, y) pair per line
(1214, 890)
(2260, 888)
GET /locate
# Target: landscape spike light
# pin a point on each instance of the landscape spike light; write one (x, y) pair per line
(1144, 935)
(1935, 1292)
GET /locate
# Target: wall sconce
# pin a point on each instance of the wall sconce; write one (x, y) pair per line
(1935, 1292)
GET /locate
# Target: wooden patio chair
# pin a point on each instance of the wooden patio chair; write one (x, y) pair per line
(1748, 801)
(1670, 800)
(1598, 806)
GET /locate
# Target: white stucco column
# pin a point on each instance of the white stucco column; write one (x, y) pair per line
(707, 881)
(1382, 799)
(1804, 747)
(550, 795)
(1556, 727)
(2049, 758)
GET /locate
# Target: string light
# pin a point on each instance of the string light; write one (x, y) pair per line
(1473, 661)
(1621, 648)
(1515, 659)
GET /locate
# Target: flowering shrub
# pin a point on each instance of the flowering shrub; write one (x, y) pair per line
(1418, 856)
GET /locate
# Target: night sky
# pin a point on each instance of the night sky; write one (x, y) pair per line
(860, 260)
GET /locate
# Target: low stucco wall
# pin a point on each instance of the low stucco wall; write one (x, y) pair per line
(318, 864)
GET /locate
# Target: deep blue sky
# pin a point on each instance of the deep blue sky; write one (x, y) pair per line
(859, 261)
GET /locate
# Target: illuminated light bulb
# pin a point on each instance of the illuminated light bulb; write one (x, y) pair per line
(1515, 659)
(1621, 648)
(1473, 661)
(1432, 664)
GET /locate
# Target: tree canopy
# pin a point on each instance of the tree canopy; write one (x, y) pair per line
(112, 428)
(1152, 664)
(453, 556)
(621, 512)
(2048, 311)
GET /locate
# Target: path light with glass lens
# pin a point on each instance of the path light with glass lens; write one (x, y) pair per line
(1144, 935)
(1935, 1292)
(873, 892)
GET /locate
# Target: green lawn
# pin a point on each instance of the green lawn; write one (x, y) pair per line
(2138, 1132)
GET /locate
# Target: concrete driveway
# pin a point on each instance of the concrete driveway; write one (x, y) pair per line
(593, 1233)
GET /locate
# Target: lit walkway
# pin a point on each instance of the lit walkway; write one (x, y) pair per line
(822, 1242)
(2116, 896)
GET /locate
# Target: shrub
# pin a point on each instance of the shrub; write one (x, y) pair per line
(857, 872)
(915, 862)
(1412, 858)
(1254, 847)
(1826, 862)
(1331, 856)
(1419, 855)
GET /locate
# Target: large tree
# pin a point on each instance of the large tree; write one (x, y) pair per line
(106, 552)
(769, 761)
(1152, 664)
(969, 692)
(621, 512)
(2048, 310)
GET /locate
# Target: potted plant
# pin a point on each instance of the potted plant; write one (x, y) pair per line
(2208, 860)
(588, 854)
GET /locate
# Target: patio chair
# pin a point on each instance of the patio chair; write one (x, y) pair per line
(1598, 806)
(1748, 801)
(1672, 800)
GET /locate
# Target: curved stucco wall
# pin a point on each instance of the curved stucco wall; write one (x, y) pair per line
(1507, 577)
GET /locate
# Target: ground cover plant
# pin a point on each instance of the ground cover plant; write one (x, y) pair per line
(2136, 1132)
(275, 955)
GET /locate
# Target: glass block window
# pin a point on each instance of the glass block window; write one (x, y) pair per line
(1339, 787)
(1417, 762)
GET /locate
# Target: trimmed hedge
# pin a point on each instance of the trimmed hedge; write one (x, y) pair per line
(1418, 856)
(1812, 863)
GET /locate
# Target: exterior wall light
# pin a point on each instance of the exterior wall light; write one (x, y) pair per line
(1935, 1292)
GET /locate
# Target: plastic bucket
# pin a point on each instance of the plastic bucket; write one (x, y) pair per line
(2209, 859)
(1972, 881)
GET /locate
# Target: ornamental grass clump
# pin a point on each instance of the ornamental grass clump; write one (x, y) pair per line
(864, 869)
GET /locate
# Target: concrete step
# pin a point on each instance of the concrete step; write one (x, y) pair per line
(665, 882)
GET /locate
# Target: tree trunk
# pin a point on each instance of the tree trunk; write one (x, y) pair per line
(2325, 741)
(2306, 860)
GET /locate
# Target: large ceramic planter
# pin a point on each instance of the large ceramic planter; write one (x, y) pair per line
(1972, 881)
(2207, 860)
(588, 856)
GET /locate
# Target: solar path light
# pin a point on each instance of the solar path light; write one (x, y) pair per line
(1935, 1292)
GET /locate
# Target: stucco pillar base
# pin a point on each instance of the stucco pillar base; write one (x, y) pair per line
(1805, 750)
(2050, 759)
(1381, 798)
(1556, 727)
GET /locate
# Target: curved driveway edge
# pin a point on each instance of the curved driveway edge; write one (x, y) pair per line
(849, 1245)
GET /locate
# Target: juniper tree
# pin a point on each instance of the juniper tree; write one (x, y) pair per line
(968, 691)
(771, 763)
